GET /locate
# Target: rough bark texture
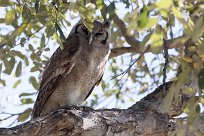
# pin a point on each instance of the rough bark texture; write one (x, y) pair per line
(94, 123)
(144, 118)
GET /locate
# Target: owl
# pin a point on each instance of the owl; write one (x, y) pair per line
(72, 73)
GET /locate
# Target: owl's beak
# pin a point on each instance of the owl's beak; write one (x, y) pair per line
(91, 38)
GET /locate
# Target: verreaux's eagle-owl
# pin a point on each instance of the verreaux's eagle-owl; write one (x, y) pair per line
(72, 73)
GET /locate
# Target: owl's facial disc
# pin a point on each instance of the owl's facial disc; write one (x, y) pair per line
(100, 35)
(100, 32)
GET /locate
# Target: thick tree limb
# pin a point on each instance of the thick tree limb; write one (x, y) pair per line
(94, 123)
(155, 100)
(144, 118)
(171, 44)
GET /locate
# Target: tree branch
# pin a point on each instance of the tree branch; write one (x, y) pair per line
(171, 44)
(93, 123)
(143, 118)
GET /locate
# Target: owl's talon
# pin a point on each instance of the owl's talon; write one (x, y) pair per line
(86, 108)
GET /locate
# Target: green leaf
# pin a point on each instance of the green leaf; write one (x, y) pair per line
(109, 93)
(25, 94)
(175, 88)
(143, 17)
(37, 3)
(43, 14)
(26, 14)
(86, 15)
(42, 41)
(177, 13)
(30, 47)
(87, 24)
(103, 85)
(84, 11)
(34, 82)
(47, 49)
(201, 79)
(25, 115)
(116, 91)
(10, 17)
(151, 22)
(49, 30)
(168, 99)
(198, 31)
(59, 41)
(26, 61)
(26, 101)
(34, 69)
(164, 4)
(5, 3)
(17, 53)
(18, 69)
(62, 37)
(16, 83)
(18, 31)
(99, 4)
(0, 69)
(156, 40)
(2, 20)
(9, 65)
(2, 82)
(93, 102)
(131, 100)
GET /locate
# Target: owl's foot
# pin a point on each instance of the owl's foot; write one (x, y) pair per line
(71, 107)
(86, 108)
(74, 107)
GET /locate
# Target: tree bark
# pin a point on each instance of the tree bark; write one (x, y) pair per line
(144, 118)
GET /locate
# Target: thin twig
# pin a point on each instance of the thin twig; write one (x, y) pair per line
(125, 72)
(131, 5)
(166, 55)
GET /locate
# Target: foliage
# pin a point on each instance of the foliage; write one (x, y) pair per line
(30, 27)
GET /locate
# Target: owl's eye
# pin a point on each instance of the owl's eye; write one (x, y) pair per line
(84, 29)
(100, 32)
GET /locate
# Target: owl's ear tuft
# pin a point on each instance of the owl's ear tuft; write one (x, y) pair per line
(106, 24)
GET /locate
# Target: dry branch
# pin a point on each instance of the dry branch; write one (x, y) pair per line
(171, 44)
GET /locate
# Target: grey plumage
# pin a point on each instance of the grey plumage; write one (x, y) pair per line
(72, 73)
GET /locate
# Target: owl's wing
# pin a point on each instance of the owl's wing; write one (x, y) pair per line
(97, 83)
(59, 65)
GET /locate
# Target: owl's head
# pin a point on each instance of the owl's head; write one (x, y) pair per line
(100, 33)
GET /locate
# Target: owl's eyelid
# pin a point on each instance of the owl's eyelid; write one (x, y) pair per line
(83, 27)
(97, 34)
(77, 27)
(85, 30)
